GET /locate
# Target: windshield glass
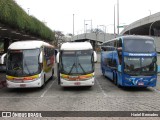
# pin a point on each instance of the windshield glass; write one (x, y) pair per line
(140, 66)
(23, 62)
(77, 62)
(136, 45)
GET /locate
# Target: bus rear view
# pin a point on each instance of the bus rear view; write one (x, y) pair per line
(76, 64)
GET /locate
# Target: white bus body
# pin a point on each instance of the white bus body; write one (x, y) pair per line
(76, 64)
(29, 64)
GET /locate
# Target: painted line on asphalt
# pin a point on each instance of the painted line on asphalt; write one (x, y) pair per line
(101, 88)
(47, 89)
(156, 90)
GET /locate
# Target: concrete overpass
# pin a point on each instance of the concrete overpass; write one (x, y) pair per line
(94, 38)
(9, 35)
(149, 25)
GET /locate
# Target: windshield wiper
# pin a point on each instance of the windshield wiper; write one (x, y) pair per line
(27, 67)
(71, 68)
(82, 68)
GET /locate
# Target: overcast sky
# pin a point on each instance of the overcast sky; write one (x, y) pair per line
(58, 14)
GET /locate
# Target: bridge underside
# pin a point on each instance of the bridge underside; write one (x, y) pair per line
(152, 29)
(9, 35)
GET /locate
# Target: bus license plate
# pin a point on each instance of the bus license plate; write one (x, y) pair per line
(140, 83)
(77, 83)
(22, 85)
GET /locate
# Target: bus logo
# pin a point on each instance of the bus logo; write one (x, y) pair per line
(6, 114)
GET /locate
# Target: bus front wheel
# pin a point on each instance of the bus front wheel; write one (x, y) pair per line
(115, 79)
(52, 76)
(44, 82)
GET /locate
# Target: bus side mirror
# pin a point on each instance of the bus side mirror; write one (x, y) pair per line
(41, 58)
(2, 59)
(158, 69)
(57, 57)
(119, 68)
(95, 56)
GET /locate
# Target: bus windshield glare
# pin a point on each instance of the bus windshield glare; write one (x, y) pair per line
(135, 45)
(23, 62)
(77, 62)
(140, 65)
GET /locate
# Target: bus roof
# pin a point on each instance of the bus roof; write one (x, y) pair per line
(76, 46)
(137, 37)
(30, 44)
(134, 37)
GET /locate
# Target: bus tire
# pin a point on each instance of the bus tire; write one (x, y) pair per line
(115, 79)
(116, 82)
(52, 76)
(44, 82)
(89, 86)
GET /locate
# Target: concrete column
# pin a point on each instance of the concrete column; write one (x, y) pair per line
(6, 44)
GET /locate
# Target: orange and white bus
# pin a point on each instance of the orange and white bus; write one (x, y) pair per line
(29, 64)
(76, 64)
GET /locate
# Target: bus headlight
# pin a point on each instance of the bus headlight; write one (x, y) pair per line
(129, 79)
(86, 77)
(29, 78)
(152, 79)
(80, 77)
(63, 76)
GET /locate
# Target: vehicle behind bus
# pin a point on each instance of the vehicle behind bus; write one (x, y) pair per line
(76, 64)
(29, 64)
(130, 61)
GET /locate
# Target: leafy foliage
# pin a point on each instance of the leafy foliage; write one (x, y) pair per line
(14, 16)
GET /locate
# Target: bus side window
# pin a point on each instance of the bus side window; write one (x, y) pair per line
(119, 43)
(114, 63)
(103, 48)
(119, 49)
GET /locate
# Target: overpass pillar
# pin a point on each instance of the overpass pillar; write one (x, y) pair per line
(6, 44)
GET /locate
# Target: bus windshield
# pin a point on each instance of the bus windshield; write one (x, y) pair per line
(131, 45)
(140, 66)
(23, 62)
(77, 62)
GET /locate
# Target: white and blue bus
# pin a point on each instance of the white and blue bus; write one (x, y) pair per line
(76, 64)
(29, 64)
(130, 61)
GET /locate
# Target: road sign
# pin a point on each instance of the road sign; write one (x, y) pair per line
(122, 26)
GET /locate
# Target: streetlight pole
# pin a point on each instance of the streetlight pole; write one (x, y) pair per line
(149, 12)
(73, 24)
(104, 29)
(28, 10)
(114, 23)
(117, 16)
(87, 24)
(151, 27)
(86, 30)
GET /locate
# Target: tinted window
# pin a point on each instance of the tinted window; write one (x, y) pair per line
(77, 62)
(138, 45)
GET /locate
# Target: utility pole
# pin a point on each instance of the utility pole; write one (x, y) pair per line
(73, 24)
(87, 24)
(114, 22)
(118, 17)
(28, 10)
